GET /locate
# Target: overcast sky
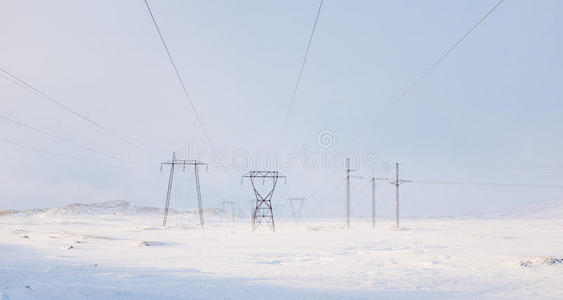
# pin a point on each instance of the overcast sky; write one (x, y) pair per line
(490, 112)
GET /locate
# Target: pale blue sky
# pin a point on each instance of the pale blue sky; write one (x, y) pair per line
(490, 112)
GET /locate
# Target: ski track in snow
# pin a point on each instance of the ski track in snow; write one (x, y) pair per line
(133, 257)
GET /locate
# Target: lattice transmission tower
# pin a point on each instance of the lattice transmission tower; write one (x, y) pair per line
(263, 212)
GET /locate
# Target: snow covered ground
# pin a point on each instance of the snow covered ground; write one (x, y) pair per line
(125, 253)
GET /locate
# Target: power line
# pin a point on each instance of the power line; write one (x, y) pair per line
(64, 155)
(436, 63)
(523, 185)
(359, 194)
(47, 152)
(66, 140)
(45, 96)
(300, 74)
(417, 81)
(14, 82)
(178, 75)
(321, 188)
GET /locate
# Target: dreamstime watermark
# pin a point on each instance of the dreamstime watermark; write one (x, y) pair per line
(326, 138)
(325, 155)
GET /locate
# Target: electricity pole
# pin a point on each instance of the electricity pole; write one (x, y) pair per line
(348, 192)
(396, 182)
(196, 173)
(169, 189)
(397, 194)
(373, 202)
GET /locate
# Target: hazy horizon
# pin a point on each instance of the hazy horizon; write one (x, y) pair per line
(490, 112)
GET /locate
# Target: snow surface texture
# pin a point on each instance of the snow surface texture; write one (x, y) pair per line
(118, 251)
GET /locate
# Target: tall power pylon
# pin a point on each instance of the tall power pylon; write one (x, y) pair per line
(263, 209)
(396, 182)
(183, 162)
(232, 204)
(301, 201)
(348, 191)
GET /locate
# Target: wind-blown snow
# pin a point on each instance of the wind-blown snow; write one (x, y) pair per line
(131, 256)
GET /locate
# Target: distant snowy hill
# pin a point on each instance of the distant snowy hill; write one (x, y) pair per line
(545, 209)
(116, 207)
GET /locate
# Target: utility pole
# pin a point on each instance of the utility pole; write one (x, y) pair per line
(348, 191)
(396, 182)
(183, 162)
(297, 216)
(169, 188)
(373, 202)
(196, 173)
(397, 194)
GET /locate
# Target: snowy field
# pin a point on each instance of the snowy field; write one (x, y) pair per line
(67, 254)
